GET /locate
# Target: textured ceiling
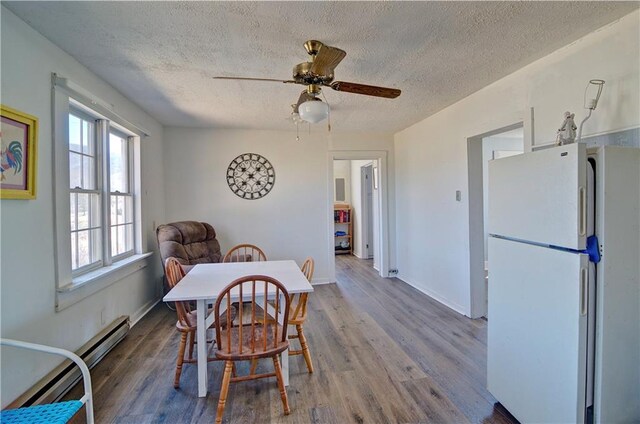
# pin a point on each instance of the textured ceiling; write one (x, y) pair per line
(162, 55)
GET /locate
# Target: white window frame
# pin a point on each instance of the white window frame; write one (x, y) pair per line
(131, 192)
(72, 287)
(98, 169)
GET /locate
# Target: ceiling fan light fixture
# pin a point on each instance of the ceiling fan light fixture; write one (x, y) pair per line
(313, 111)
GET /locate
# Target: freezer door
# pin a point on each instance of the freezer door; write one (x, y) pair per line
(540, 196)
(537, 336)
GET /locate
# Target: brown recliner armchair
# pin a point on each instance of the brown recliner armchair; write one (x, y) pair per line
(190, 242)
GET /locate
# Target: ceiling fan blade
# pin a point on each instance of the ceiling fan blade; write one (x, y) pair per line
(326, 60)
(304, 96)
(256, 79)
(367, 90)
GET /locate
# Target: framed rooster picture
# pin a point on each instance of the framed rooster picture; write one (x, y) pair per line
(18, 154)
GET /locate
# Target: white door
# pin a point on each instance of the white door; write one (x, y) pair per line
(540, 196)
(368, 207)
(537, 336)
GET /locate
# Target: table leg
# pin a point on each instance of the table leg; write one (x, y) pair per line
(285, 364)
(202, 348)
(285, 354)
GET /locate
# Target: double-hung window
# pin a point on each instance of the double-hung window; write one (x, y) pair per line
(101, 196)
(121, 224)
(97, 169)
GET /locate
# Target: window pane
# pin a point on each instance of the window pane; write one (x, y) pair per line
(88, 210)
(114, 210)
(96, 245)
(75, 170)
(84, 220)
(83, 249)
(72, 210)
(88, 173)
(87, 248)
(121, 209)
(96, 211)
(87, 138)
(122, 241)
(114, 241)
(118, 164)
(74, 133)
(128, 237)
(74, 250)
(128, 214)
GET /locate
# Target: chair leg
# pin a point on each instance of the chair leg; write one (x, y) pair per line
(283, 391)
(224, 390)
(180, 360)
(254, 366)
(234, 373)
(192, 340)
(305, 348)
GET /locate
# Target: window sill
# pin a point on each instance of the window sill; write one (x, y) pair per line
(94, 281)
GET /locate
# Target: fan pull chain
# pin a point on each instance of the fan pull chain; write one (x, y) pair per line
(328, 113)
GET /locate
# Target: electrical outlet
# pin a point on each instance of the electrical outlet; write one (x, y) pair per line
(458, 195)
(103, 316)
(393, 272)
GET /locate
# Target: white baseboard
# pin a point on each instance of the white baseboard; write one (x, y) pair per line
(435, 296)
(144, 310)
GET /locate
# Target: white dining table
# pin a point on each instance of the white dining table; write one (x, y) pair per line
(204, 283)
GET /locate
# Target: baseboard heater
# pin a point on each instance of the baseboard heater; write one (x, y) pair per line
(53, 386)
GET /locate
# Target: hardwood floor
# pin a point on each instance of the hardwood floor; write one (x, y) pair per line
(383, 353)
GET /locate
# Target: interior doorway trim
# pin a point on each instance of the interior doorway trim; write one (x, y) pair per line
(477, 285)
(383, 204)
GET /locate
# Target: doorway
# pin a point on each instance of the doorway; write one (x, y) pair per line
(355, 197)
(363, 175)
(482, 149)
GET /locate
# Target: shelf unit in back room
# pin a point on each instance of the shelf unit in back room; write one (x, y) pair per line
(343, 228)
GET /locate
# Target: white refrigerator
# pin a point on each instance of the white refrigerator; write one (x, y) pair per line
(564, 325)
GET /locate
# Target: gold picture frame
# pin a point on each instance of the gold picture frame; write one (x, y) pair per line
(18, 154)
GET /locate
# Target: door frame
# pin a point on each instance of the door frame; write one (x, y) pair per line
(383, 205)
(477, 284)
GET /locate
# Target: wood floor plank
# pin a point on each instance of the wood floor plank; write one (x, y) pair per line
(383, 353)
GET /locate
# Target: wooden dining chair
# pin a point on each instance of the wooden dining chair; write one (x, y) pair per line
(187, 320)
(244, 253)
(253, 338)
(298, 314)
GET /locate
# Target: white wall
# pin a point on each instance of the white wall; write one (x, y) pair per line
(292, 221)
(27, 271)
(431, 156)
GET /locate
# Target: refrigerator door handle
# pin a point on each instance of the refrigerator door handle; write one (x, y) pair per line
(582, 202)
(584, 291)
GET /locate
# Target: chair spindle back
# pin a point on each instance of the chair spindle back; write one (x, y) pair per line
(175, 273)
(299, 301)
(245, 253)
(256, 334)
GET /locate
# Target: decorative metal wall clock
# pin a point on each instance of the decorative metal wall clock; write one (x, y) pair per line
(251, 176)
